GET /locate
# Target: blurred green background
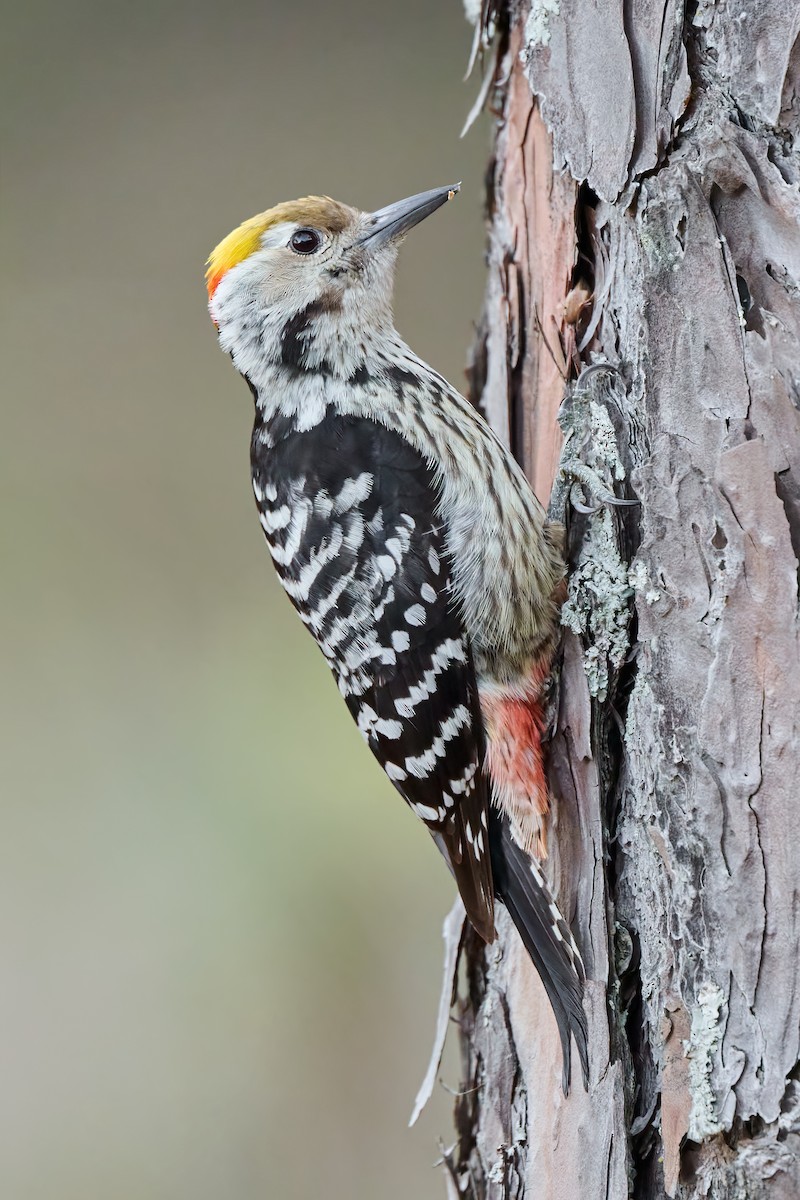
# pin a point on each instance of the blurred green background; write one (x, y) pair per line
(220, 926)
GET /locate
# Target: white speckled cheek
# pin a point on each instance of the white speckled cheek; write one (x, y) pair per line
(269, 284)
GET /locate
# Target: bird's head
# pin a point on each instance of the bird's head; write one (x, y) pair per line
(306, 280)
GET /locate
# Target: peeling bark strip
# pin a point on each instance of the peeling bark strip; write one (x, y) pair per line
(644, 200)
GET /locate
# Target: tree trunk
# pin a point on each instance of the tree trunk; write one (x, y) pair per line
(643, 202)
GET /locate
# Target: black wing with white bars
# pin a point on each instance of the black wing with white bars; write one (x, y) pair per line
(349, 510)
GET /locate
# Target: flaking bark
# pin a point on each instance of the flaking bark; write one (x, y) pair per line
(644, 204)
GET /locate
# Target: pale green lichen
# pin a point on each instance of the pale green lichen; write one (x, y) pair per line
(659, 234)
(604, 451)
(537, 26)
(640, 582)
(599, 590)
(596, 608)
(705, 1036)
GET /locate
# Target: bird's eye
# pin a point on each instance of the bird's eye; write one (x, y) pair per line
(305, 241)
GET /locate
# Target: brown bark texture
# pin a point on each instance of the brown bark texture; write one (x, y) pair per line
(640, 337)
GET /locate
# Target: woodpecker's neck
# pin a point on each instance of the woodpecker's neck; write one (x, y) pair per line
(340, 332)
(330, 352)
(314, 373)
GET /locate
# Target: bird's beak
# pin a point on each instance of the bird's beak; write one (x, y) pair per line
(392, 222)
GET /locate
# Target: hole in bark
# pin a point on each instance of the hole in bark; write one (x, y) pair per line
(680, 231)
(719, 540)
(691, 1160)
(751, 311)
(744, 1131)
(745, 299)
(584, 276)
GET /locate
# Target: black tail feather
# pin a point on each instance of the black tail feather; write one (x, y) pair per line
(520, 884)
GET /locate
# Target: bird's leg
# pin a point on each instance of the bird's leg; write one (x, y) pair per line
(590, 462)
(578, 472)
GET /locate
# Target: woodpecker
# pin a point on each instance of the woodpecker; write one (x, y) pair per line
(413, 548)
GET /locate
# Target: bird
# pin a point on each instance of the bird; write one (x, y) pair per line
(411, 544)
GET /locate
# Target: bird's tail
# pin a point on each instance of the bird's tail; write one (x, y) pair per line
(519, 882)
